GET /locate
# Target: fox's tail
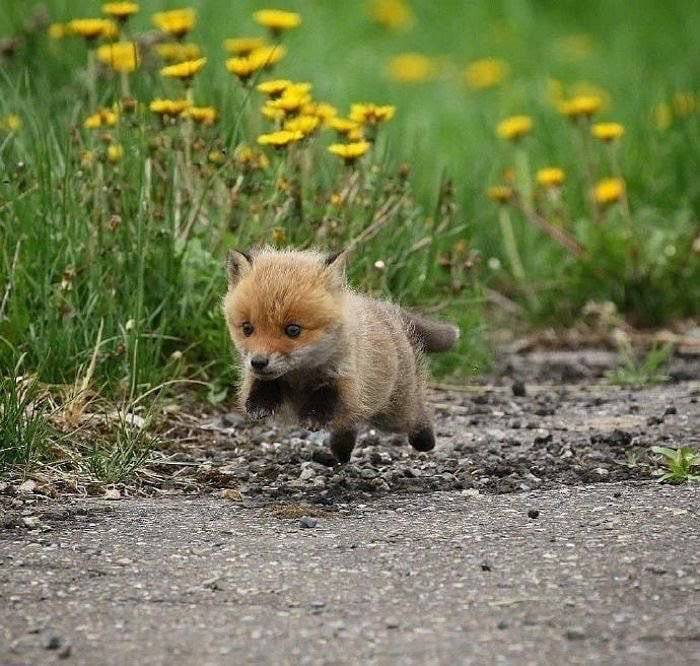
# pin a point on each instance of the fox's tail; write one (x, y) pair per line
(432, 336)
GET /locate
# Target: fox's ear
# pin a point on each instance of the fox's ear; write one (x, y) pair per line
(337, 258)
(237, 265)
(335, 267)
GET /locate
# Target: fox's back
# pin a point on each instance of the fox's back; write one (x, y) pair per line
(385, 363)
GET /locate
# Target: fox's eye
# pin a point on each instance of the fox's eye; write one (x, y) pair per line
(293, 330)
(247, 328)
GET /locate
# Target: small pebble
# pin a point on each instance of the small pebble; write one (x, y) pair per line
(64, 652)
(52, 642)
(575, 634)
(518, 388)
(308, 522)
(533, 513)
(485, 566)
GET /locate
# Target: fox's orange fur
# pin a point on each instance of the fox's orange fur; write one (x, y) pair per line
(313, 350)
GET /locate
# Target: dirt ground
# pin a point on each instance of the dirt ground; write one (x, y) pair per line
(571, 430)
(534, 534)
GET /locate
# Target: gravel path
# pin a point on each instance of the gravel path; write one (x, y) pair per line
(511, 437)
(607, 573)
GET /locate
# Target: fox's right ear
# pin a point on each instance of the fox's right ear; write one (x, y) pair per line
(237, 265)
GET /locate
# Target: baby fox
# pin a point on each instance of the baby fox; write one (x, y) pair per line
(312, 350)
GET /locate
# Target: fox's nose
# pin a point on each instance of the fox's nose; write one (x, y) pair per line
(259, 362)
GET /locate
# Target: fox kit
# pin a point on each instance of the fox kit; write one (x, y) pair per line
(314, 351)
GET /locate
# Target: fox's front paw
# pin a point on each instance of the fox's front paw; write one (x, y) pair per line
(320, 406)
(264, 399)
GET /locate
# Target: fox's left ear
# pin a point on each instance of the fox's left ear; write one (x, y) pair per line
(237, 265)
(335, 264)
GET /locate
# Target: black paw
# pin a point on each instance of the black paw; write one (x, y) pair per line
(264, 399)
(422, 440)
(320, 406)
(342, 443)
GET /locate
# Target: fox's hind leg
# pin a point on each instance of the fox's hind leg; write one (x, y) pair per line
(342, 443)
(421, 435)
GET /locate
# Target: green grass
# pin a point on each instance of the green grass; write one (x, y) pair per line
(24, 431)
(116, 458)
(634, 371)
(678, 464)
(122, 263)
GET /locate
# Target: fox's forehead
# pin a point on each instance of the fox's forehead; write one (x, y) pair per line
(275, 293)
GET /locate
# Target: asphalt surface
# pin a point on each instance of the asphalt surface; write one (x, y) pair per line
(604, 574)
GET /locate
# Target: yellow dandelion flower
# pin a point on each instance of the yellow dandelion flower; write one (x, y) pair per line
(243, 46)
(485, 73)
(290, 101)
(343, 126)
(250, 159)
(500, 193)
(204, 115)
(391, 14)
(277, 20)
(586, 88)
(243, 68)
(581, 106)
(115, 152)
(663, 116)
(355, 135)
(280, 139)
(411, 68)
(120, 56)
(120, 10)
(11, 122)
(58, 31)
(307, 125)
(272, 113)
(322, 110)
(216, 157)
(101, 118)
(685, 103)
(607, 131)
(349, 152)
(169, 107)
(514, 128)
(184, 70)
(551, 177)
(608, 191)
(267, 57)
(175, 52)
(371, 114)
(91, 29)
(176, 22)
(273, 88)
